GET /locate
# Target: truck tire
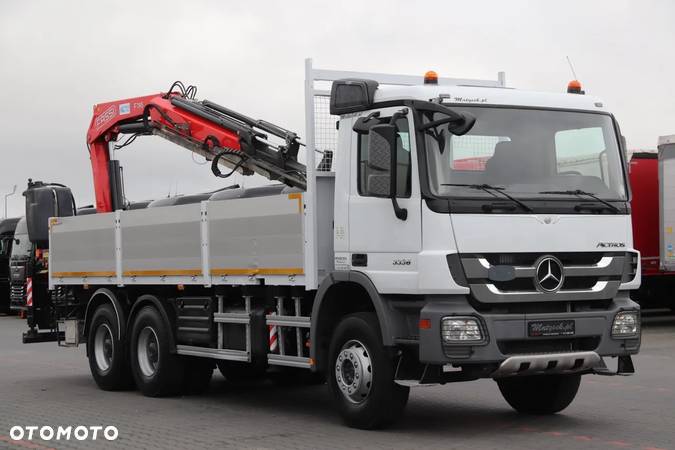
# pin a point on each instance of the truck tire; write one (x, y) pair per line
(157, 372)
(107, 352)
(539, 394)
(361, 374)
(198, 373)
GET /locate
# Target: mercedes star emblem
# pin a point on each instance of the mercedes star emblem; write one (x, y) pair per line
(549, 275)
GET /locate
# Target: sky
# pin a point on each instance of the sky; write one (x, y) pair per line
(59, 58)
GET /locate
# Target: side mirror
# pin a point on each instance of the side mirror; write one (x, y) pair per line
(382, 164)
(458, 123)
(381, 150)
(462, 127)
(624, 146)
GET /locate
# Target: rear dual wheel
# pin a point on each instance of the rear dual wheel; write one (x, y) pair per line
(156, 370)
(144, 359)
(106, 351)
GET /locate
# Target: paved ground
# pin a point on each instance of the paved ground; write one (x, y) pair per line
(41, 384)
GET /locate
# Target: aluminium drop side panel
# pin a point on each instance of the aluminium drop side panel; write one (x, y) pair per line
(82, 246)
(251, 239)
(162, 241)
(256, 236)
(667, 201)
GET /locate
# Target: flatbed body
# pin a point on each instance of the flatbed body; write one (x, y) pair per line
(235, 241)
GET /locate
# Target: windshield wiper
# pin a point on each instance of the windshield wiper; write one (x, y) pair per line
(489, 189)
(579, 193)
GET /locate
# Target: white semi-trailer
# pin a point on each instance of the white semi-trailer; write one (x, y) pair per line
(666, 155)
(444, 236)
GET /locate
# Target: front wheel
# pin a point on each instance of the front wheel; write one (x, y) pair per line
(361, 374)
(540, 394)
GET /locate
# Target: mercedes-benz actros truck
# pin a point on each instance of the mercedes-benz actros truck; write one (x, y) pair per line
(427, 230)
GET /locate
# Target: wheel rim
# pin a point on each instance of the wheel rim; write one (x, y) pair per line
(148, 351)
(104, 347)
(354, 371)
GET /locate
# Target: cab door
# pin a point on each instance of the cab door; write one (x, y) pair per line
(381, 245)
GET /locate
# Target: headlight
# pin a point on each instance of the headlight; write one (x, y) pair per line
(626, 324)
(461, 330)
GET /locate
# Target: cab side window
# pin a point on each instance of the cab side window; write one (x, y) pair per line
(5, 245)
(403, 173)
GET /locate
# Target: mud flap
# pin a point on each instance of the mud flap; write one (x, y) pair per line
(624, 367)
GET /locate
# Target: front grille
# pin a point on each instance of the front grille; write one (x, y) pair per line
(510, 277)
(17, 292)
(515, 285)
(17, 296)
(527, 284)
(528, 259)
(536, 345)
(581, 283)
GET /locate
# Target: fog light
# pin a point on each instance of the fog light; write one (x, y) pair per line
(626, 324)
(460, 329)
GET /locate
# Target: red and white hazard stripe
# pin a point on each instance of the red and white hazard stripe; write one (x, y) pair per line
(274, 343)
(29, 291)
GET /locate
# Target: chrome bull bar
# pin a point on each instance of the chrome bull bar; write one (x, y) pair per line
(550, 363)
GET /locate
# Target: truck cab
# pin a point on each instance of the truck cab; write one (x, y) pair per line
(19, 266)
(7, 227)
(516, 238)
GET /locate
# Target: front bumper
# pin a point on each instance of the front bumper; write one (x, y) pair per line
(507, 334)
(559, 363)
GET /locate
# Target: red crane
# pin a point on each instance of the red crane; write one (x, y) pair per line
(211, 130)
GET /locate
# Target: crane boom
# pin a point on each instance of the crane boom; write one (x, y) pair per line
(215, 132)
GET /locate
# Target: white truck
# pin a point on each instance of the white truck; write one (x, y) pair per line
(441, 238)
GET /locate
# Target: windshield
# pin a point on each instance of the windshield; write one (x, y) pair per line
(526, 153)
(23, 246)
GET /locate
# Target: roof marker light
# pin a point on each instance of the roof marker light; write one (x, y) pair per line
(574, 87)
(431, 77)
